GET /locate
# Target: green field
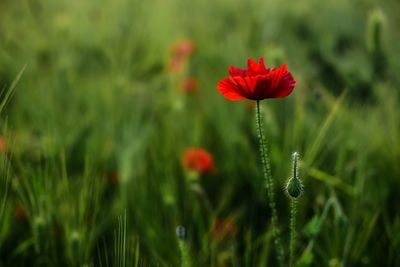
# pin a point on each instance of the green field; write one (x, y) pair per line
(97, 113)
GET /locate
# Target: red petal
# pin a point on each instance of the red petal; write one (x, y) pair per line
(263, 88)
(233, 71)
(254, 68)
(228, 88)
(285, 86)
(277, 74)
(283, 82)
(248, 86)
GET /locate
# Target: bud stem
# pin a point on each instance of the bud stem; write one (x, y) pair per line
(185, 258)
(293, 212)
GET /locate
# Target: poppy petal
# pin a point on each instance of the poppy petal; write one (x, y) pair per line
(284, 87)
(228, 88)
(263, 87)
(255, 68)
(236, 71)
(249, 86)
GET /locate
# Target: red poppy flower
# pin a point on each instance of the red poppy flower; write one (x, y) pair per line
(257, 82)
(189, 85)
(198, 160)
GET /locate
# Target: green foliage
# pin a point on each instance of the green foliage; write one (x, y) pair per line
(96, 123)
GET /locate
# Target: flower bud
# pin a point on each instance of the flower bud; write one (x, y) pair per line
(294, 187)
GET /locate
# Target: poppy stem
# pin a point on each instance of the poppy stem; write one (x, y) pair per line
(269, 184)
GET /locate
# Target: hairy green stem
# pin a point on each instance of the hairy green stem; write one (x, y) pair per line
(292, 245)
(269, 184)
(185, 258)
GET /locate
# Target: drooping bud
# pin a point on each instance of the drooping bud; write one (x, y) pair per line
(294, 187)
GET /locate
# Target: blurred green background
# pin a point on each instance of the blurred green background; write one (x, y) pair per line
(97, 120)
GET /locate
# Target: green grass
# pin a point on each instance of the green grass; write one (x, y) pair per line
(95, 127)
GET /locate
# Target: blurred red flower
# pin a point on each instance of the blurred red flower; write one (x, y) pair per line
(223, 229)
(179, 54)
(20, 212)
(198, 160)
(3, 144)
(257, 82)
(184, 47)
(189, 85)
